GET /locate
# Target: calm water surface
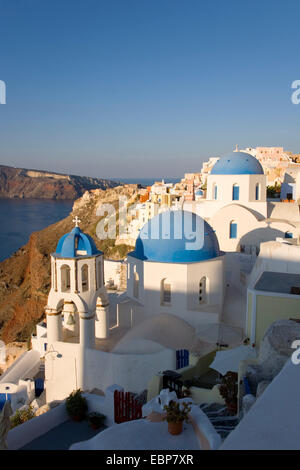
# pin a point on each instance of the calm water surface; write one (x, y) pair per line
(20, 217)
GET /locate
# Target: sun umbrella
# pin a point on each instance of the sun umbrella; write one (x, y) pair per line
(220, 334)
(5, 424)
(230, 359)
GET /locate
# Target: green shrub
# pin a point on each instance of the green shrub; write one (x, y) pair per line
(21, 416)
(177, 412)
(76, 405)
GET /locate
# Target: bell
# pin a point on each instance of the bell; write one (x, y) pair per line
(71, 320)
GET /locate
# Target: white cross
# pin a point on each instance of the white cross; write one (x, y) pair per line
(76, 221)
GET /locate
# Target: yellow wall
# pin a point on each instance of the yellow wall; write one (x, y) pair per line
(270, 309)
(198, 366)
(202, 395)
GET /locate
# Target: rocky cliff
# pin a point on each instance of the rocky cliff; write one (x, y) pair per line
(33, 184)
(25, 277)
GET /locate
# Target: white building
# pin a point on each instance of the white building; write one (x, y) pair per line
(237, 208)
(291, 183)
(168, 274)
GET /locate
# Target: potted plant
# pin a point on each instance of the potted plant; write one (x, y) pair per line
(76, 405)
(96, 420)
(176, 413)
(229, 391)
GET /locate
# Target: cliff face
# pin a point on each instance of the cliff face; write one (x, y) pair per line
(33, 184)
(25, 277)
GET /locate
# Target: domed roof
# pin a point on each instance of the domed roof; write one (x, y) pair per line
(176, 237)
(76, 243)
(199, 192)
(237, 163)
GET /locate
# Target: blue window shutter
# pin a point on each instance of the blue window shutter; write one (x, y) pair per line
(288, 235)
(233, 230)
(257, 192)
(236, 193)
(216, 192)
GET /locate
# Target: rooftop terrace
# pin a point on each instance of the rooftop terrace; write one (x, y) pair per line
(281, 283)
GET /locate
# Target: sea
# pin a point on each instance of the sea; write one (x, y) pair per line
(20, 217)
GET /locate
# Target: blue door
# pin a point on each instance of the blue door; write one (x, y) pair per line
(39, 387)
(182, 358)
(3, 398)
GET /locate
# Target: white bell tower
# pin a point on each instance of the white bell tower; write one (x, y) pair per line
(78, 299)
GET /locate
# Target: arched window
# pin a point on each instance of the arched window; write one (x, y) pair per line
(136, 282)
(85, 278)
(235, 192)
(165, 292)
(215, 191)
(202, 290)
(233, 229)
(65, 271)
(257, 192)
(288, 235)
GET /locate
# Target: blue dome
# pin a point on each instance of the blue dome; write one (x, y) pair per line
(237, 163)
(165, 237)
(76, 243)
(199, 192)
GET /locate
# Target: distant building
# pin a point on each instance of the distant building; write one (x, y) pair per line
(274, 161)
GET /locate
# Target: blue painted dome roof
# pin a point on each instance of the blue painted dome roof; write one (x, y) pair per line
(76, 243)
(199, 192)
(167, 236)
(237, 163)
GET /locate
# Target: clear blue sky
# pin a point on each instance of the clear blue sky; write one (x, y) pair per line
(145, 88)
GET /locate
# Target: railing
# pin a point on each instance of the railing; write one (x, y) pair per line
(126, 407)
(171, 380)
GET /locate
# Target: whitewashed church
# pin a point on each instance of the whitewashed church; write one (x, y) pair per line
(236, 205)
(175, 282)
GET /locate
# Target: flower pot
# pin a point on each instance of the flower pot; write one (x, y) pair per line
(231, 407)
(175, 428)
(95, 426)
(77, 418)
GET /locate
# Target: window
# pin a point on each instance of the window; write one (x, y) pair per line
(85, 278)
(233, 230)
(65, 278)
(165, 292)
(100, 275)
(257, 191)
(235, 192)
(202, 290)
(288, 235)
(136, 281)
(215, 191)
